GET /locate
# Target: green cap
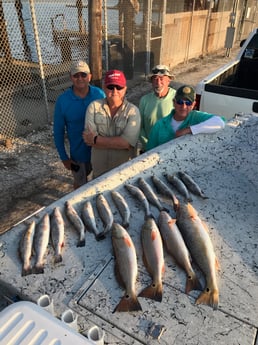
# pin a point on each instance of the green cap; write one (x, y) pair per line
(185, 92)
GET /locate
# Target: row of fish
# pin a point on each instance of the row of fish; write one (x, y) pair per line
(191, 232)
(187, 231)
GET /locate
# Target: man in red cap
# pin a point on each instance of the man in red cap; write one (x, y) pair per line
(112, 126)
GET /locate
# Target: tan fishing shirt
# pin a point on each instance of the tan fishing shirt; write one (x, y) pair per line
(125, 123)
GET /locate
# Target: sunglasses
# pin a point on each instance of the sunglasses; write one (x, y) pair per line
(181, 102)
(161, 71)
(112, 87)
(81, 74)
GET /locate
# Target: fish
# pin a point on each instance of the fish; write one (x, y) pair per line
(138, 193)
(179, 185)
(57, 233)
(153, 258)
(122, 207)
(163, 189)
(176, 247)
(197, 239)
(26, 247)
(150, 194)
(105, 212)
(76, 221)
(40, 243)
(191, 184)
(126, 268)
(89, 220)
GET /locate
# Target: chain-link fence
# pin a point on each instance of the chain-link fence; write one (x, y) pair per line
(39, 39)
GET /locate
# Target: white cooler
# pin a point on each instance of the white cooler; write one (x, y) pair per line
(25, 323)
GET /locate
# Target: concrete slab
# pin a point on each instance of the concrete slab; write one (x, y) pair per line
(225, 166)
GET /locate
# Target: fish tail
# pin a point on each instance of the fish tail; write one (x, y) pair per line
(209, 297)
(154, 291)
(128, 303)
(26, 271)
(100, 236)
(204, 196)
(149, 215)
(192, 283)
(165, 209)
(81, 243)
(58, 258)
(38, 269)
(126, 225)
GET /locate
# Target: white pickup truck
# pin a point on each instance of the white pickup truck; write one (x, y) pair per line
(233, 88)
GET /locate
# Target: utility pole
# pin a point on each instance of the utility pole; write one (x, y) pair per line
(95, 40)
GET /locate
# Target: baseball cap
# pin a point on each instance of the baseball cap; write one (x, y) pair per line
(161, 70)
(79, 66)
(115, 77)
(185, 92)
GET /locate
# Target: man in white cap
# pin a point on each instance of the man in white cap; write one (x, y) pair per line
(69, 117)
(156, 104)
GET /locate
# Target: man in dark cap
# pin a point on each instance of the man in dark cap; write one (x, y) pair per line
(158, 103)
(183, 120)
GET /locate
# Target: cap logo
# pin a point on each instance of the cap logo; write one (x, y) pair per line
(186, 90)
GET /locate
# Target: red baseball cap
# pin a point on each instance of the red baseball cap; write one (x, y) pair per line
(115, 77)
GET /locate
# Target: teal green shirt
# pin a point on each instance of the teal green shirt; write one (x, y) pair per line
(153, 108)
(163, 132)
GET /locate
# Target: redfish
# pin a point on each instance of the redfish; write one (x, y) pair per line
(197, 239)
(153, 258)
(175, 245)
(126, 268)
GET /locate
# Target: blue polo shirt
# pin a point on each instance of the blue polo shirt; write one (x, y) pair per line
(69, 118)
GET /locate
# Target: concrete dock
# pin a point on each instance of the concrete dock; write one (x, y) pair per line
(225, 166)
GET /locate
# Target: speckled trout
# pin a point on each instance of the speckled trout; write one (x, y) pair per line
(197, 239)
(179, 185)
(41, 239)
(25, 248)
(126, 268)
(191, 184)
(76, 221)
(105, 212)
(175, 246)
(138, 194)
(57, 233)
(122, 207)
(89, 220)
(150, 194)
(153, 258)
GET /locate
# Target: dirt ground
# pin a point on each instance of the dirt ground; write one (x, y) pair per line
(32, 176)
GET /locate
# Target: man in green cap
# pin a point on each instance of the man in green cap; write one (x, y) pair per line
(183, 119)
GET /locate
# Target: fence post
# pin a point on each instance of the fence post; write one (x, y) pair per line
(95, 37)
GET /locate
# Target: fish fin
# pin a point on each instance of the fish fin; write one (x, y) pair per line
(165, 209)
(192, 283)
(128, 303)
(209, 297)
(26, 271)
(154, 291)
(38, 269)
(58, 258)
(217, 264)
(81, 243)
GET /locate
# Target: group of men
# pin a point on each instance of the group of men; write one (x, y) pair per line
(103, 128)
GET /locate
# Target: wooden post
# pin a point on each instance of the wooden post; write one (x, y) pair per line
(95, 39)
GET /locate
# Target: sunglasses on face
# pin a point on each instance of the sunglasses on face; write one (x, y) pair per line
(161, 71)
(112, 87)
(81, 74)
(181, 102)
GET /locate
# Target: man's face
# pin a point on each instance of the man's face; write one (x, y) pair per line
(160, 83)
(183, 107)
(81, 80)
(115, 93)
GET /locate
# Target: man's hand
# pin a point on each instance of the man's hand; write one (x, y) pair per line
(184, 131)
(88, 136)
